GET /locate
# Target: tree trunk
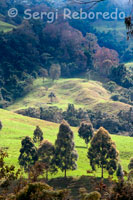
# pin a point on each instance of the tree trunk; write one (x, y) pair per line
(102, 172)
(65, 173)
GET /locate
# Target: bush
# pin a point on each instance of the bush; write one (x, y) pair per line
(122, 190)
(39, 191)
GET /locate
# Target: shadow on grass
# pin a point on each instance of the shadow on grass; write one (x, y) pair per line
(81, 147)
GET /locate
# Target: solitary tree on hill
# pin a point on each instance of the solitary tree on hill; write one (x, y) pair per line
(51, 96)
(45, 155)
(43, 73)
(37, 135)
(55, 71)
(86, 132)
(65, 156)
(103, 152)
(28, 154)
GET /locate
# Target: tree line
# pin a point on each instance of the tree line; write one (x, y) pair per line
(102, 151)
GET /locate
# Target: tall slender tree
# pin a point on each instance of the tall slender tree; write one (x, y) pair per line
(65, 155)
(37, 135)
(86, 132)
(45, 155)
(103, 152)
(28, 154)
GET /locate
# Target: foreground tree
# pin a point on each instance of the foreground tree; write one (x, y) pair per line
(45, 155)
(37, 135)
(103, 152)
(28, 154)
(86, 132)
(65, 155)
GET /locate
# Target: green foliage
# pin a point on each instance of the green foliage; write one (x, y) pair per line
(121, 76)
(103, 152)
(39, 191)
(23, 125)
(37, 135)
(89, 196)
(28, 154)
(86, 132)
(43, 73)
(7, 173)
(55, 71)
(45, 155)
(119, 172)
(130, 166)
(65, 156)
(122, 190)
(1, 125)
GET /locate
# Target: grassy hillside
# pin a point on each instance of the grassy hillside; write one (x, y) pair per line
(5, 27)
(15, 127)
(82, 93)
(105, 26)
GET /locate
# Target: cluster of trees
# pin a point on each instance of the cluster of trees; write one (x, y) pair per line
(62, 155)
(40, 45)
(102, 152)
(115, 124)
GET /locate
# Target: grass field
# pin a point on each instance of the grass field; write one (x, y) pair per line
(105, 26)
(5, 27)
(80, 92)
(16, 127)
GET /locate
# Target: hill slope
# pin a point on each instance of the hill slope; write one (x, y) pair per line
(80, 92)
(5, 27)
(15, 127)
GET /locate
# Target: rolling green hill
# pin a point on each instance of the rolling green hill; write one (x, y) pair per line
(80, 92)
(5, 27)
(16, 127)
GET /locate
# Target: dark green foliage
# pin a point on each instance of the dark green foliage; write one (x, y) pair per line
(86, 132)
(65, 156)
(119, 172)
(1, 125)
(111, 86)
(28, 154)
(130, 166)
(45, 155)
(122, 190)
(121, 76)
(103, 152)
(37, 135)
(74, 116)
